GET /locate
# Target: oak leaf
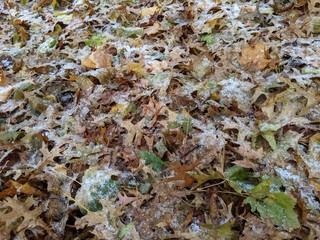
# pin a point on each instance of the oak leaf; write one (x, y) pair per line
(22, 214)
(181, 173)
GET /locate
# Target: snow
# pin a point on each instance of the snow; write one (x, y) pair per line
(236, 90)
(302, 185)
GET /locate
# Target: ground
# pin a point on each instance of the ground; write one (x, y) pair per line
(135, 119)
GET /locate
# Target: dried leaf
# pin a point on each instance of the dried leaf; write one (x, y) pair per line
(20, 212)
(98, 59)
(201, 177)
(181, 173)
(254, 58)
(149, 11)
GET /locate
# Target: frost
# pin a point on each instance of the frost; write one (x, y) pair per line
(97, 185)
(47, 45)
(235, 90)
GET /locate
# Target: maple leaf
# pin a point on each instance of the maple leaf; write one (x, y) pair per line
(181, 173)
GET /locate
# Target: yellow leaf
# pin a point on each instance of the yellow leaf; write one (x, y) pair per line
(87, 62)
(161, 224)
(136, 68)
(73, 77)
(212, 23)
(120, 108)
(54, 3)
(148, 11)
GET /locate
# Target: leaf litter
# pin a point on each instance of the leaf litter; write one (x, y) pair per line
(159, 120)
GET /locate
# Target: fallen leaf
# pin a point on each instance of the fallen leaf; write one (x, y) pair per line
(254, 58)
(149, 11)
(136, 68)
(98, 59)
(185, 179)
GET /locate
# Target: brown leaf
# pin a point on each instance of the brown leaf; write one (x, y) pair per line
(16, 187)
(31, 218)
(254, 58)
(98, 59)
(134, 134)
(245, 164)
(181, 175)
(48, 156)
(4, 80)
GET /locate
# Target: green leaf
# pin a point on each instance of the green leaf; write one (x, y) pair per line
(36, 103)
(269, 126)
(154, 160)
(161, 147)
(97, 39)
(223, 232)
(309, 70)
(125, 230)
(241, 179)
(129, 32)
(6, 137)
(269, 136)
(58, 29)
(262, 189)
(181, 121)
(316, 27)
(278, 207)
(208, 39)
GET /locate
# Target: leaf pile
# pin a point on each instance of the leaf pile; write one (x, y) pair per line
(131, 119)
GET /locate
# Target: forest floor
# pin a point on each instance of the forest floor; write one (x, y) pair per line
(136, 119)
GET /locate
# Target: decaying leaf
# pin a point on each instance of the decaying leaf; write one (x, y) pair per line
(221, 97)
